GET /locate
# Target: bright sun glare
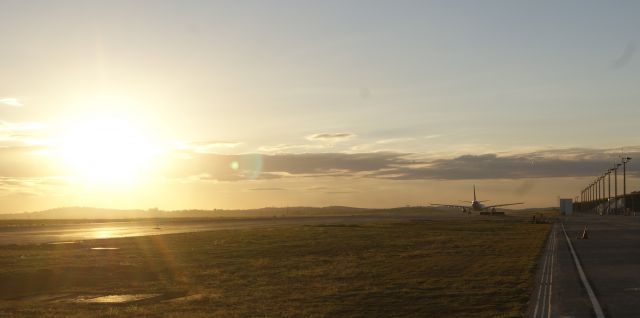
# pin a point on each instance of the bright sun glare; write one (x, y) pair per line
(107, 151)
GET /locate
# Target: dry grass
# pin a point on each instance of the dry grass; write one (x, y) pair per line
(466, 268)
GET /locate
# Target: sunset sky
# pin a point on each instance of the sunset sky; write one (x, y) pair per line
(244, 104)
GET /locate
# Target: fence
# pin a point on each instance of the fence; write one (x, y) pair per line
(604, 206)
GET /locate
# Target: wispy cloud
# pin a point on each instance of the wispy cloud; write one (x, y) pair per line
(210, 146)
(10, 101)
(291, 148)
(333, 137)
(267, 189)
(23, 126)
(626, 56)
(340, 192)
(383, 144)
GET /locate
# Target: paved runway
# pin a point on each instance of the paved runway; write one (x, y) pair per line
(48, 232)
(610, 259)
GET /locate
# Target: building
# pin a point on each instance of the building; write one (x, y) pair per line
(566, 206)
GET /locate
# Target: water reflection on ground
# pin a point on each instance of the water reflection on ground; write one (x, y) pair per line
(115, 299)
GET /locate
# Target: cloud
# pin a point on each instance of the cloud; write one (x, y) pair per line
(23, 126)
(222, 167)
(22, 134)
(321, 142)
(341, 192)
(22, 161)
(211, 146)
(383, 144)
(268, 189)
(394, 140)
(26, 186)
(317, 188)
(544, 164)
(570, 162)
(333, 137)
(10, 101)
(290, 148)
(626, 56)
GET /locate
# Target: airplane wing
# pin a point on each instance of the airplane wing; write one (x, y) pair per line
(451, 206)
(498, 205)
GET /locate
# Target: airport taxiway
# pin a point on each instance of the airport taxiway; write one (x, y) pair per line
(593, 277)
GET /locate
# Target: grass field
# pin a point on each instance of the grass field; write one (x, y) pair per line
(465, 268)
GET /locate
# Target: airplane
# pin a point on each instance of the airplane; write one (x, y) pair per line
(476, 205)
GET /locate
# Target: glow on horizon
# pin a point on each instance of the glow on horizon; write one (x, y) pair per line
(130, 98)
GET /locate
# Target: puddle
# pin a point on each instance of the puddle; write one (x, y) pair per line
(115, 299)
(105, 248)
(171, 297)
(58, 243)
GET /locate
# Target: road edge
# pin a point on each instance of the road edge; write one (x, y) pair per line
(595, 304)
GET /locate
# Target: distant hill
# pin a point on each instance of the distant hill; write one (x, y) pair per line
(80, 213)
(89, 213)
(99, 213)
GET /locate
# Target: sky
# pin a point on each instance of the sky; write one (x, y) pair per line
(246, 104)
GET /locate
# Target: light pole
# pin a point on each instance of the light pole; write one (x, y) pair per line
(609, 193)
(624, 182)
(601, 188)
(604, 183)
(615, 186)
(597, 190)
(586, 194)
(594, 194)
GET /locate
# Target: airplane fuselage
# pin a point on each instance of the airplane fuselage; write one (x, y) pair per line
(477, 206)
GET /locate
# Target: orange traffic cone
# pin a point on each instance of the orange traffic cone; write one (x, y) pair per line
(585, 234)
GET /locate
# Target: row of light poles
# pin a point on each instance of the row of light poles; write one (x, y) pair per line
(594, 194)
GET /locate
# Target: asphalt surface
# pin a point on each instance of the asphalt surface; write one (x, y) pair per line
(48, 232)
(609, 258)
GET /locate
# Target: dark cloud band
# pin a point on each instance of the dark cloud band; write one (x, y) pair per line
(400, 166)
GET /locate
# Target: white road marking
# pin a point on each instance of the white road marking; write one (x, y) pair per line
(544, 270)
(592, 296)
(553, 258)
(543, 301)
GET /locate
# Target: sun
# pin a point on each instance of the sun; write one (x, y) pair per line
(107, 151)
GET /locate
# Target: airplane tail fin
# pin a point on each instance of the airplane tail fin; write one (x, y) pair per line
(474, 193)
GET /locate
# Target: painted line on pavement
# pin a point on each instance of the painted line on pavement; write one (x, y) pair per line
(543, 301)
(592, 296)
